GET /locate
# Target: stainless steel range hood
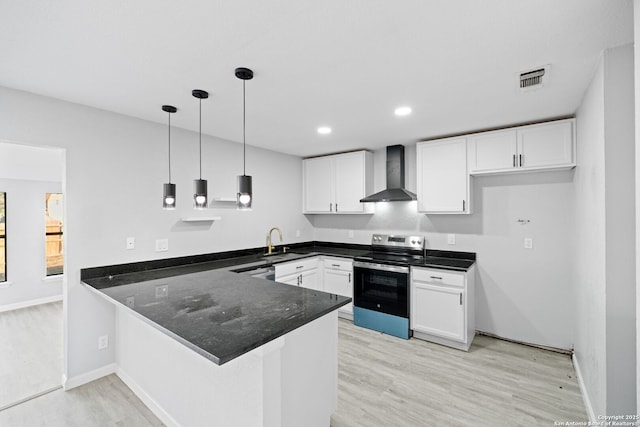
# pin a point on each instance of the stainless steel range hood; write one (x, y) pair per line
(395, 191)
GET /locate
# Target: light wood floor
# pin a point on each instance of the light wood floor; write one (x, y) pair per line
(383, 381)
(386, 381)
(31, 354)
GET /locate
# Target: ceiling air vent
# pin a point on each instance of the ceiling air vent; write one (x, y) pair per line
(532, 79)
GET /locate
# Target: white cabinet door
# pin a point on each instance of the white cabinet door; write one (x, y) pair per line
(336, 183)
(350, 182)
(291, 279)
(492, 151)
(340, 283)
(546, 145)
(310, 279)
(318, 185)
(443, 180)
(438, 310)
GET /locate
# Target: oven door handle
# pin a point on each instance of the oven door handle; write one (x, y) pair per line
(383, 267)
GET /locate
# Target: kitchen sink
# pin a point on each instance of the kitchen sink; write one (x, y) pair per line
(279, 256)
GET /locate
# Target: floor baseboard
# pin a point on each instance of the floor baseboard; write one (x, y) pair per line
(30, 303)
(583, 391)
(87, 377)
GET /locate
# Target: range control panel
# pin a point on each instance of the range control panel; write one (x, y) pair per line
(409, 242)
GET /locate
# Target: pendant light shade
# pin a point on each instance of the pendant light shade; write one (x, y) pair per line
(200, 185)
(245, 191)
(169, 189)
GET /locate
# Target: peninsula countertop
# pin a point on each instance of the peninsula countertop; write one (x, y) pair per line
(217, 313)
(201, 302)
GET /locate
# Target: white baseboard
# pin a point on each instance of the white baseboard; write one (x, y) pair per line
(87, 377)
(30, 303)
(157, 410)
(583, 390)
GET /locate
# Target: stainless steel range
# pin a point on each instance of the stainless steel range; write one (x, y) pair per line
(381, 283)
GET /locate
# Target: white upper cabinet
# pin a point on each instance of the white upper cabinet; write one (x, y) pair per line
(546, 145)
(541, 146)
(492, 151)
(443, 180)
(336, 183)
(318, 184)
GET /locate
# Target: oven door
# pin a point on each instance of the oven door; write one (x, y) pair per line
(381, 287)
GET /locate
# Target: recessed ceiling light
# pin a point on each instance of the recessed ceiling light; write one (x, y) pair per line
(403, 111)
(324, 130)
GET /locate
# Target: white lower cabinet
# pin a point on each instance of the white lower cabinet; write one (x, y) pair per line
(338, 279)
(442, 306)
(323, 273)
(303, 273)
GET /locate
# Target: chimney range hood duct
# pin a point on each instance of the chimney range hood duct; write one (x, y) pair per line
(395, 191)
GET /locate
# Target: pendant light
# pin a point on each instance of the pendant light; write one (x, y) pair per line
(245, 193)
(169, 190)
(200, 185)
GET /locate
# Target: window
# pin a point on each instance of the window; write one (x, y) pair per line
(53, 218)
(3, 238)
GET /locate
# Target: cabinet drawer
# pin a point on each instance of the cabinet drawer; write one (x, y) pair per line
(293, 267)
(442, 277)
(342, 264)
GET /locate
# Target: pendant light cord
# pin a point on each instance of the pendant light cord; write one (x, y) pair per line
(244, 129)
(169, 131)
(200, 138)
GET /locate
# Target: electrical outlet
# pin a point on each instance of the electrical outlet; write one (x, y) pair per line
(162, 291)
(131, 243)
(162, 245)
(451, 239)
(103, 342)
(351, 234)
(297, 233)
(528, 243)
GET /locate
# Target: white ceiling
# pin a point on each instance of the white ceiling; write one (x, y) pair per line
(343, 63)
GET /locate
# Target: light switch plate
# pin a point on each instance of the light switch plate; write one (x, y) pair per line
(131, 243)
(528, 243)
(451, 239)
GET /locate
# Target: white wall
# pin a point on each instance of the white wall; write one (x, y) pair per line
(636, 26)
(26, 268)
(620, 238)
(522, 294)
(115, 167)
(605, 233)
(590, 348)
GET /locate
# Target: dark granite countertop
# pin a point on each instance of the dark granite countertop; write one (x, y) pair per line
(220, 314)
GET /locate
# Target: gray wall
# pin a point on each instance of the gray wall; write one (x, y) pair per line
(115, 167)
(522, 294)
(605, 237)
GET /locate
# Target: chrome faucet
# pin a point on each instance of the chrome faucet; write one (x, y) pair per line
(269, 244)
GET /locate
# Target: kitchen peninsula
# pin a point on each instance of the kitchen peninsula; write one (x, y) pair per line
(199, 342)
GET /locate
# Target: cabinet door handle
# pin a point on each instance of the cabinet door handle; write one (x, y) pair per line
(436, 277)
(299, 280)
(336, 207)
(520, 160)
(349, 277)
(335, 265)
(299, 267)
(463, 206)
(330, 207)
(514, 160)
(460, 298)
